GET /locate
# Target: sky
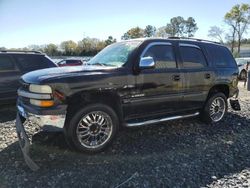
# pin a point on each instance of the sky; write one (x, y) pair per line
(27, 22)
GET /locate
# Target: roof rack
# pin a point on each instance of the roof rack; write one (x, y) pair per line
(21, 51)
(190, 38)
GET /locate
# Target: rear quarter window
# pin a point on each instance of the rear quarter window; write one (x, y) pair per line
(33, 62)
(221, 56)
(7, 64)
(72, 62)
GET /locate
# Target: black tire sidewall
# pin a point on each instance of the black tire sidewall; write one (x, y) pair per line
(243, 75)
(205, 115)
(70, 128)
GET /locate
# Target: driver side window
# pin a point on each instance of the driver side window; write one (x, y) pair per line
(163, 56)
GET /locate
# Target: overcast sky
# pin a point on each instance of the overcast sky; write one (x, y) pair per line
(26, 22)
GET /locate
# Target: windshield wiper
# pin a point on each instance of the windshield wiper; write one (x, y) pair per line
(100, 64)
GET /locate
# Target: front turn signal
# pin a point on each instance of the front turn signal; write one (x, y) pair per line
(42, 103)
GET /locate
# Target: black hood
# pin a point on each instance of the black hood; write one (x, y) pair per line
(43, 75)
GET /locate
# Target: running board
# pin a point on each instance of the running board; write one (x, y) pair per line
(153, 121)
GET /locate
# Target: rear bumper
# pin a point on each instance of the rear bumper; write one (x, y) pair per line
(234, 102)
(234, 92)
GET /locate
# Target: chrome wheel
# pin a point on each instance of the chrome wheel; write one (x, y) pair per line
(94, 129)
(217, 109)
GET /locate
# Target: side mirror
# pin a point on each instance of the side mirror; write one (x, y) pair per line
(147, 63)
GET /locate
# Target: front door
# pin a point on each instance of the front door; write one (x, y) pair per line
(158, 89)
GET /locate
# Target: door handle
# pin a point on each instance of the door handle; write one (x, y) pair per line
(207, 76)
(176, 77)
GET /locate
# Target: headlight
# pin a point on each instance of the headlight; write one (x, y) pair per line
(40, 88)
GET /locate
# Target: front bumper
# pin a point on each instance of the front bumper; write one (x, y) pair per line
(24, 143)
(45, 122)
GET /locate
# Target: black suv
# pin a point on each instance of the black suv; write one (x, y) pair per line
(13, 64)
(130, 83)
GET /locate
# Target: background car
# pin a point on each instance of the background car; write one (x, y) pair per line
(70, 62)
(13, 64)
(242, 65)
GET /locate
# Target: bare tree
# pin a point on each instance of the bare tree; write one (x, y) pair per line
(238, 18)
(216, 32)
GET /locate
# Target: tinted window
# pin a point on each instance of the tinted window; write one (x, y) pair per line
(33, 62)
(6, 64)
(221, 56)
(163, 56)
(192, 57)
(72, 62)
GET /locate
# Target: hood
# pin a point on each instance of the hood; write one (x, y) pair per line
(43, 75)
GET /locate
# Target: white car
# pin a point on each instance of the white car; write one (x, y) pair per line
(242, 65)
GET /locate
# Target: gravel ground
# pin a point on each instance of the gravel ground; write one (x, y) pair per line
(183, 153)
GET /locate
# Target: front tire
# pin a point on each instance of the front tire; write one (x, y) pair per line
(215, 108)
(92, 128)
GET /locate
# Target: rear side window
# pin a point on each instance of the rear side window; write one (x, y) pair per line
(221, 56)
(33, 62)
(192, 57)
(163, 56)
(72, 62)
(6, 64)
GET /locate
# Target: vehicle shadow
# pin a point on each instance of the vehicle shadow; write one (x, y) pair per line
(179, 153)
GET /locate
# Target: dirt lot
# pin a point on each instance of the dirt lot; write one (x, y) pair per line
(183, 153)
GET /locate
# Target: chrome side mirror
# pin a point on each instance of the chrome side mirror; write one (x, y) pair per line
(147, 63)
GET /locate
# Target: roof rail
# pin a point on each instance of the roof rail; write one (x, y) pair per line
(190, 38)
(21, 51)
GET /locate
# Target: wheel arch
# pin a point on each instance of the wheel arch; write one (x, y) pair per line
(224, 88)
(81, 99)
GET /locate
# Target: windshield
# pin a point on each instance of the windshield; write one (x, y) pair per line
(115, 55)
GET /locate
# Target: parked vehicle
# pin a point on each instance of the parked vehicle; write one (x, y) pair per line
(13, 64)
(130, 83)
(70, 62)
(242, 65)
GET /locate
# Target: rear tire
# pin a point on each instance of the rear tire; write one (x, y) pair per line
(92, 128)
(215, 108)
(243, 75)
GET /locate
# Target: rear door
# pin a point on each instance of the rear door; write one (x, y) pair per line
(9, 78)
(198, 75)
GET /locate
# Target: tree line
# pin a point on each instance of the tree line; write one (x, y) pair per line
(237, 21)
(85, 47)
(177, 27)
